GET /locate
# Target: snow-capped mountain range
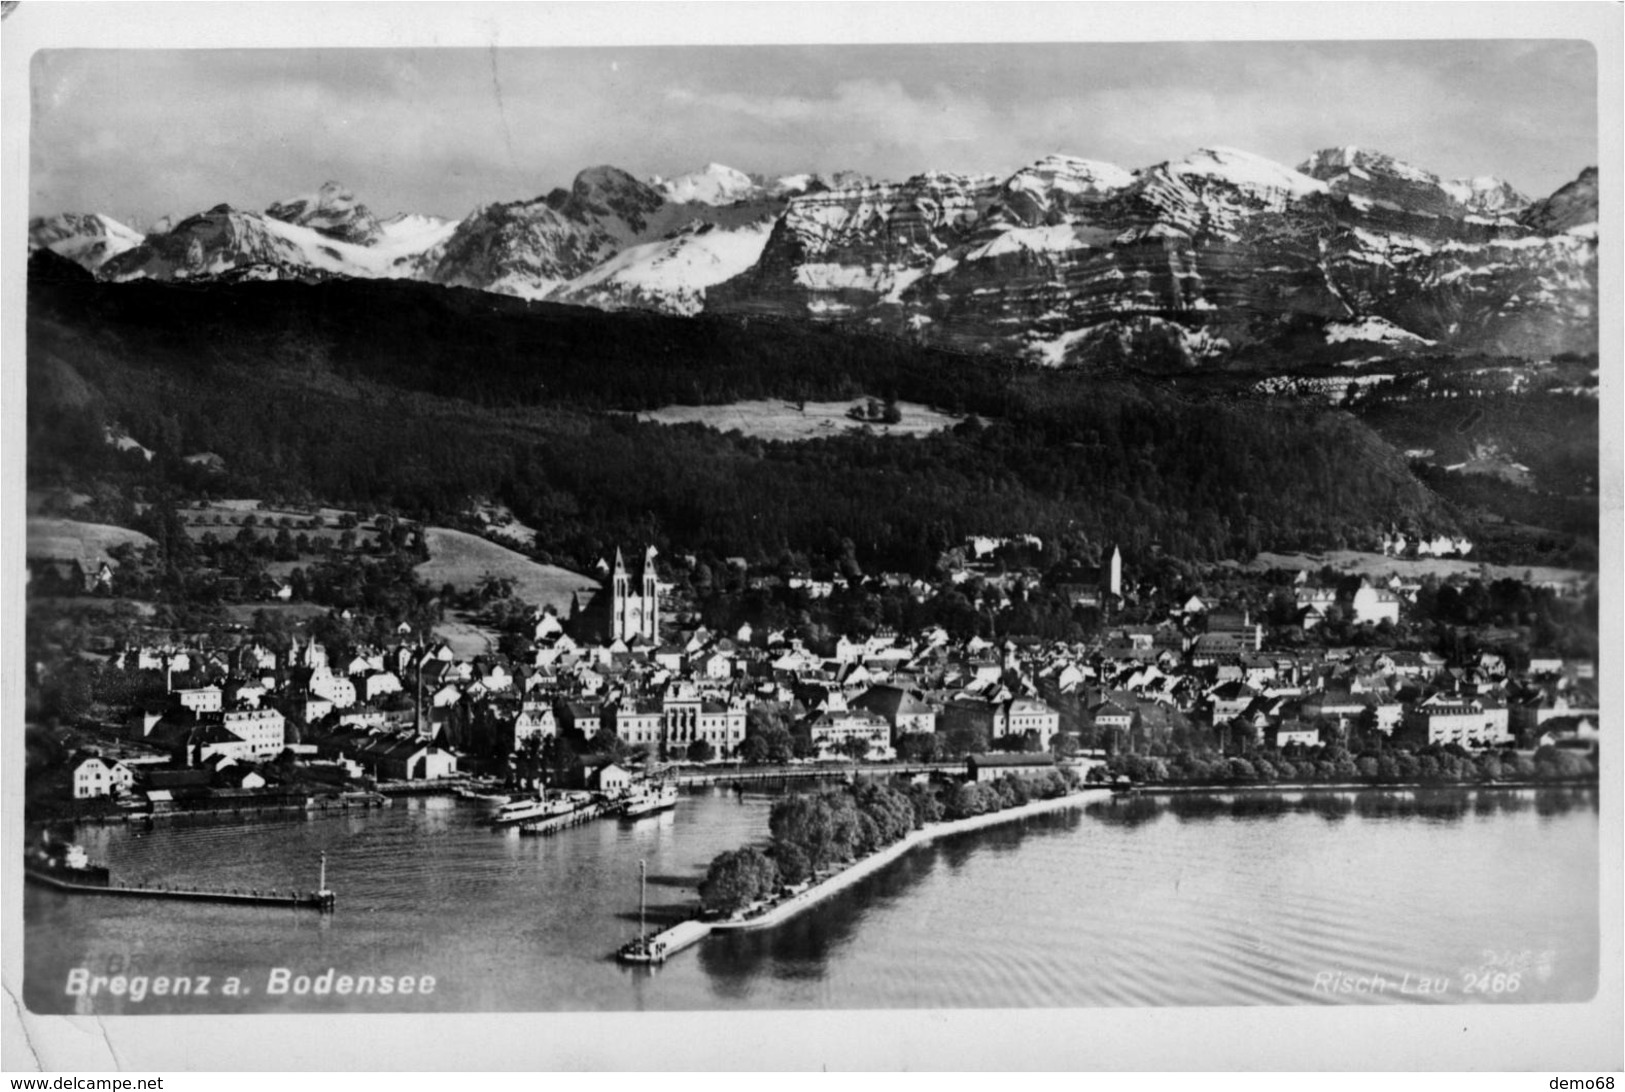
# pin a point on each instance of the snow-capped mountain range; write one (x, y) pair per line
(1064, 260)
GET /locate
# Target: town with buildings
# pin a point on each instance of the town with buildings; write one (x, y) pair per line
(623, 685)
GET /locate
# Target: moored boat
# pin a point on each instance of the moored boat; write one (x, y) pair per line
(648, 799)
(65, 862)
(530, 808)
(644, 948)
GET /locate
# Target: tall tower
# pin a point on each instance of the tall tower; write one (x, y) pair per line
(620, 595)
(651, 600)
(1114, 573)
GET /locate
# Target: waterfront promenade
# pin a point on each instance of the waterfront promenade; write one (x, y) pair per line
(688, 933)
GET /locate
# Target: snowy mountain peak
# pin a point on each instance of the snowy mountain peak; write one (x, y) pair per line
(87, 238)
(1057, 188)
(1367, 176)
(714, 184)
(1362, 162)
(332, 210)
(1485, 195)
(1245, 170)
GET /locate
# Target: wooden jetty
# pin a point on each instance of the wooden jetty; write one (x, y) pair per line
(321, 899)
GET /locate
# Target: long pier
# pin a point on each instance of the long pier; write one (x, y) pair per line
(315, 900)
(685, 934)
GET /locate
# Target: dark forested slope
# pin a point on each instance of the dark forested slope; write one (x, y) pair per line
(416, 398)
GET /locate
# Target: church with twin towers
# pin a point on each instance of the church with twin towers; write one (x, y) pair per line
(626, 608)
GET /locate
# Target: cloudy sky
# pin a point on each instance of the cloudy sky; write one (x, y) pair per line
(139, 134)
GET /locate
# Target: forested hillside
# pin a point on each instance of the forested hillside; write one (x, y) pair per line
(415, 398)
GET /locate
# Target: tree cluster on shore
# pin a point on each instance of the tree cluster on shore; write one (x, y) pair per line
(1445, 764)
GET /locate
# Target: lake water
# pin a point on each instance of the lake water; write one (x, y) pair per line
(1447, 897)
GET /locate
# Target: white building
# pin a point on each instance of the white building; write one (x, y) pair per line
(95, 776)
(1375, 605)
(202, 699)
(264, 729)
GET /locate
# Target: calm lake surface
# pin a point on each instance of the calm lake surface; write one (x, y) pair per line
(1338, 898)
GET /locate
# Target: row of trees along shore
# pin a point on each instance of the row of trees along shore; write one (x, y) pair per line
(813, 831)
(1448, 763)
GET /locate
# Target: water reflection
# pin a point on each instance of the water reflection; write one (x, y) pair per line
(1438, 804)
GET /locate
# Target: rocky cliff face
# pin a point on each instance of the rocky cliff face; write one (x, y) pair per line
(1571, 209)
(1199, 259)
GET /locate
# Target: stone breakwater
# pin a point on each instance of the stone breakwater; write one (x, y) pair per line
(691, 932)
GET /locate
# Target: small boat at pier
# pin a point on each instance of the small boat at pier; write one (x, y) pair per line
(64, 862)
(528, 809)
(645, 947)
(648, 799)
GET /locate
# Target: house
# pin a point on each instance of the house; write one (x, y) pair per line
(95, 776)
(1443, 719)
(202, 699)
(906, 711)
(375, 684)
(1313, 605)
(1231, 700)
(547, 627)
(210, 740)
(585, 715)
(363, 716)
(831, 731)
(335, 688)
(1305, 735)
(70, 575)
(1545, 663)
(606, 778)
(1110, 717)
(714, 665)
(309, 708)
(399, 759)
(1231, 630)
(237, 776)
(1000, 716)
(636, 723)
(1029, 715)
(1375, 605)
(1339, 705)
(536, 719)
(991, 767)
(242, 692)
(263, 729)
(1576, 733)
